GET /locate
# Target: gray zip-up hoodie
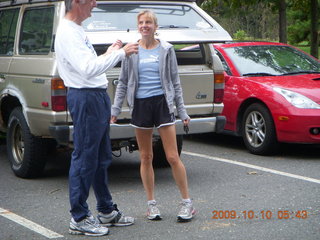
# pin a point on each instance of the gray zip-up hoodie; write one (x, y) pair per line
(169, 77)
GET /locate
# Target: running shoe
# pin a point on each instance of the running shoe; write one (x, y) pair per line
(88, 226)
(186, 212)
(115, 218)
(153, 212)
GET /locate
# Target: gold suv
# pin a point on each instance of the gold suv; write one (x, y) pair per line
(33, 109)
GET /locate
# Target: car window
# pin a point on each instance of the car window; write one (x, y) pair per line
(8, 25)
(187, 54)
(36, 31)
(224, 63)
(106, 17)
(271, 59)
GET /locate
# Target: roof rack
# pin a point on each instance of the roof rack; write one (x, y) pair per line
(156, 0)
(163, 0)
(4, 3)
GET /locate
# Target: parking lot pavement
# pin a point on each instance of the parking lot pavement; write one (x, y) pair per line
(237, 195)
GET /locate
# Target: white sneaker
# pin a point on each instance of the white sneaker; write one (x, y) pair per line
(186, 212)
(115, 218)
(153, 212)
(88, 226)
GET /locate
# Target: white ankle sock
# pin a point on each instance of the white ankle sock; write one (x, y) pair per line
(152, 202)
(188, 200)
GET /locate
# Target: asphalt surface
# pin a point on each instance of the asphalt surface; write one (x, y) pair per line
(237, 195)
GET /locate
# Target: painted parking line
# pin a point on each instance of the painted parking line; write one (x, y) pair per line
(29, 224)
(314, 180)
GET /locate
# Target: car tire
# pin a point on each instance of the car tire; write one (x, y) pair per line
(159, 156)
(258, 130)
(26, 153)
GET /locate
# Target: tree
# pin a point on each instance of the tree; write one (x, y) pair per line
(252, 16)
(305, 28)
(314, 38)
(282, 21)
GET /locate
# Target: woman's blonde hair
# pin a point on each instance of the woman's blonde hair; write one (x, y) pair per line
(150, 14)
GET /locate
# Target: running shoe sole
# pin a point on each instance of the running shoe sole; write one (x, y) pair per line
(77, 232)
(116, 224)
(156, 218)
(181, 219)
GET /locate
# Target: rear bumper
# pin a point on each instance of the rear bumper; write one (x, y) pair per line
(64, 134)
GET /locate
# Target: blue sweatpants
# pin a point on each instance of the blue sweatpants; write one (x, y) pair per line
(91, 157)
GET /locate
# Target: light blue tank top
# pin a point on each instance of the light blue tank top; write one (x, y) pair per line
(149, 75)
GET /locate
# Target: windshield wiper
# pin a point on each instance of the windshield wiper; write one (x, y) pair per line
(300, 72)
(258, 74)
(173, 26)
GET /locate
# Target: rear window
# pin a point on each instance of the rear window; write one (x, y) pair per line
(106, 17)
(36, 31)
(186, 54)
(8, 24)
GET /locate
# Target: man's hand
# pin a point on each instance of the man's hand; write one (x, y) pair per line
(115, 46)
(131, 48)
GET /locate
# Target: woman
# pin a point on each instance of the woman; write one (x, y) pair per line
(151, 83)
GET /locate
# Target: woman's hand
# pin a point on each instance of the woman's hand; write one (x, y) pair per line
(186, 122)
(113, 119)
(185, 125)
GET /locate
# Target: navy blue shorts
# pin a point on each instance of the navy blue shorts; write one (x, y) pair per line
(151, 112)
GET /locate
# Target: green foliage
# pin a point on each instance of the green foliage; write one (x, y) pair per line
(240, 35)
(299, 31)
(299, 5)
(259, 18)
(299, 22)
(304, 47)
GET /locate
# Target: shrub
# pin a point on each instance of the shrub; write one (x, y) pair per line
(240, 35)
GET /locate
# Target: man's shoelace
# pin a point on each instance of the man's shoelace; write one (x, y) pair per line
(93, 222)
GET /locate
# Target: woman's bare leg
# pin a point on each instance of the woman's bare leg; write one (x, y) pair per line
(169, 141)
(144, 139)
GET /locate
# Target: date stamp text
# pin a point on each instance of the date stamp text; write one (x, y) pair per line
(263, 214)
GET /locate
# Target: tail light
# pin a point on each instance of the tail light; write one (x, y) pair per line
(58, 95)
(218, 91)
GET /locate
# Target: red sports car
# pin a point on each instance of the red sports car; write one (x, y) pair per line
(272, 94)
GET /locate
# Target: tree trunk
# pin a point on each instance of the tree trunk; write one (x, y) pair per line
(314, 28)
(283, 21)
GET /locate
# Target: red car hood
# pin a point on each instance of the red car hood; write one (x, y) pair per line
(307, 84)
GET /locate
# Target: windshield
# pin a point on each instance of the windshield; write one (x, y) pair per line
(271, 60)
(106, 17)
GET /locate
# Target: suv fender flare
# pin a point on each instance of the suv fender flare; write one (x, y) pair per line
(14, 93)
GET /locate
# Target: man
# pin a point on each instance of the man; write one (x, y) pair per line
(83, 73)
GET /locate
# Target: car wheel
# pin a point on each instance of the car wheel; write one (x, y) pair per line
(258, 130)
(159, 156)
(26, 153)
